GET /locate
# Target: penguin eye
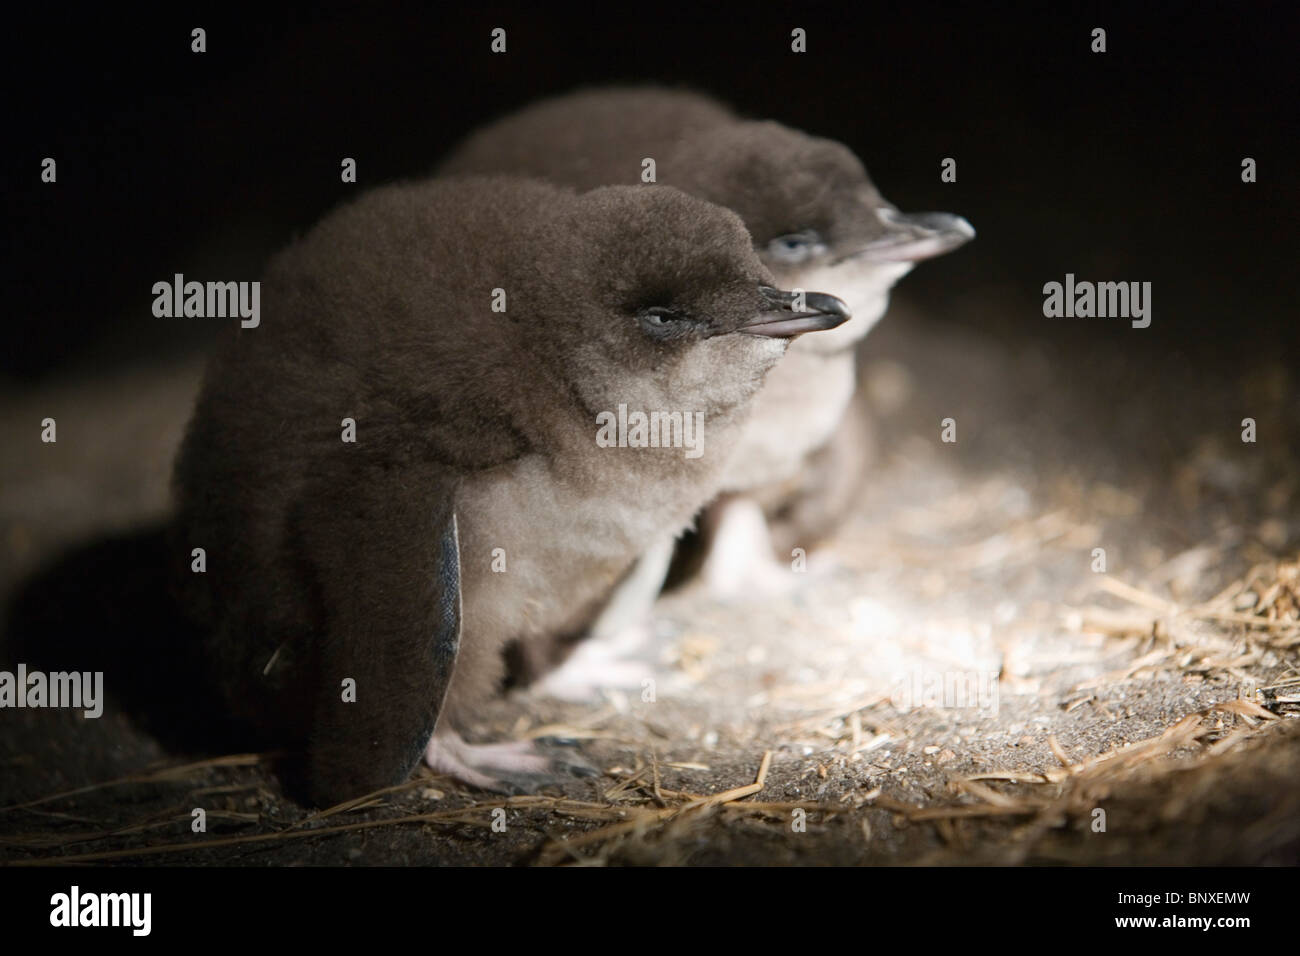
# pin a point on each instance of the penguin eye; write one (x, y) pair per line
(796, 247)
(661, 323)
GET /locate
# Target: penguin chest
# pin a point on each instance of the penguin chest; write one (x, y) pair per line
(537, 553)
(797, 411)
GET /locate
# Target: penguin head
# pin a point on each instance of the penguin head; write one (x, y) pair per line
(816, 219)
(666, 304)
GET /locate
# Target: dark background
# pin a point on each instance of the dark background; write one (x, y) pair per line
(1122, 166)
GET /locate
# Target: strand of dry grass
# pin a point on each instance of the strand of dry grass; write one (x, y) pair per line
(643, 818)
(1264, 605)
(477, 814)
(1084, 783)
(171, 817)
(155, 776)
(1285, 588)
(446, 816)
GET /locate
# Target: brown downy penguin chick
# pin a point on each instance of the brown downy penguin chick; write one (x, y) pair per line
(391, 478)
(817, 222)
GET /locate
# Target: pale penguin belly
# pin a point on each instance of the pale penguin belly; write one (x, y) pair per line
(563, 545)
(796, 413)
(805, 396)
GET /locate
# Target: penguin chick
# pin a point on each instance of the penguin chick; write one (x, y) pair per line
(399, 469)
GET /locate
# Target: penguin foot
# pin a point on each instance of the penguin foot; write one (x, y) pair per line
(603, 663)
(612, 657)
(515, 767)
(740, 563)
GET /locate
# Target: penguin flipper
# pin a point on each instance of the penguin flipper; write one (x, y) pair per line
(384, 546)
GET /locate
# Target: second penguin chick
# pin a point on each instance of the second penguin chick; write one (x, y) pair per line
(404, 466)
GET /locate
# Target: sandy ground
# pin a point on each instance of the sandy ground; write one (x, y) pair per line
(950, 681)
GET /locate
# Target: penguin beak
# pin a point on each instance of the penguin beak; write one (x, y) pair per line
(819, 312)
(912, 237)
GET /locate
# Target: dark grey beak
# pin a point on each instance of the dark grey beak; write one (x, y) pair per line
(912, 237)
(819, 312)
